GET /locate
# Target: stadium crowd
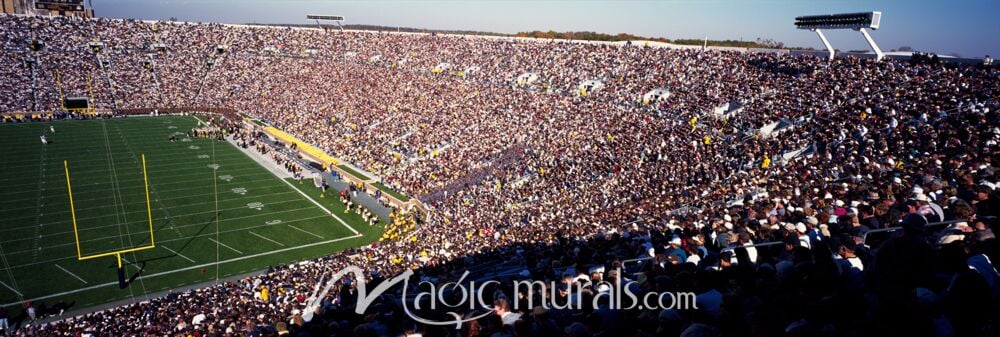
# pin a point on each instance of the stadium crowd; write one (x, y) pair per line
(840, 164)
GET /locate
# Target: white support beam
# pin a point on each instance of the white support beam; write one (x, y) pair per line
(871, 42)
(825, 43)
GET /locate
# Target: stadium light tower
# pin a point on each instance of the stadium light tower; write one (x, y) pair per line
(856, 21)
(334, 18)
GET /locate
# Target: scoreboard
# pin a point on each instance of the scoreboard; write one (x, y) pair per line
(325, 17)
(60, 5)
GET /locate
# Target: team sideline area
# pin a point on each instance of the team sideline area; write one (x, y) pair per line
(215, 212)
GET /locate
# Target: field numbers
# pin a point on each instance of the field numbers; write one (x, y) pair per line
(240, 191)
(257, 205)
(226, 177)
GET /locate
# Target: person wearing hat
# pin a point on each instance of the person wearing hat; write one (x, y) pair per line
(923, 205)
(803, 236)
(674, 248)
(986, 201)
(541, 324)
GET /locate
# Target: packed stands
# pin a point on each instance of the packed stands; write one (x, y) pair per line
(867, 153)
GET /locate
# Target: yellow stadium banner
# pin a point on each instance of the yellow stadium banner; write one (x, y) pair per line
(305, 148)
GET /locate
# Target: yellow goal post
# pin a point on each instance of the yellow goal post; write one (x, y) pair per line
(117, 253)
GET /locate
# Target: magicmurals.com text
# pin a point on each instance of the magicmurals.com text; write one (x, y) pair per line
(473, 296)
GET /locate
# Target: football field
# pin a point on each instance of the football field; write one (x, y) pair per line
(212, 211)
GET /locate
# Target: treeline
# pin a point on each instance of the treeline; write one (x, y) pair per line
(592, 36)
(588, 36)
(418, 30)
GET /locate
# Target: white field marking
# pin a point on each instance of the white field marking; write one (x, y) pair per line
(143, 202)
(181, 165)
(178, 253)
(131, 263)
(131, 222)
(266, 238)
(19, 190)
(71, 273)
(172, 158)
(133, 187)
(11, 289)
(335, 216)
(225, 245)
(162, 241)
(305, 231)
(245, 257)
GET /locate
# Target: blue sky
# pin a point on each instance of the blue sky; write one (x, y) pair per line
(967, 27)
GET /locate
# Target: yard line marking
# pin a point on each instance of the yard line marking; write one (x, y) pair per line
(11, 289)
(304, 195)
(178, 253)
(335, 216)
(305, 231)
(265, 238)
(95, 228)
(225, 245)
(71, 273)
(136, 265)
(245, 257)
(161, 241)
(92, 209)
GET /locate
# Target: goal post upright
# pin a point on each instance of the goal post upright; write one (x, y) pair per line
(149, 209)
(116, 253)
(72, 211)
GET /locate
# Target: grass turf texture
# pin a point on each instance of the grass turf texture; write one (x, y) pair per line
(391, 191)
(262, 221)
(353, 172)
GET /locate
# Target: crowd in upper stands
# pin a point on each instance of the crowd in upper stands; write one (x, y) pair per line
(824, 158)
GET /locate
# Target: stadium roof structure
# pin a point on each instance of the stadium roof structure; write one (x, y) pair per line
(857, 21)
(334, 18)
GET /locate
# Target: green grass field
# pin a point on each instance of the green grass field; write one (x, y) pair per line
(262, 219)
